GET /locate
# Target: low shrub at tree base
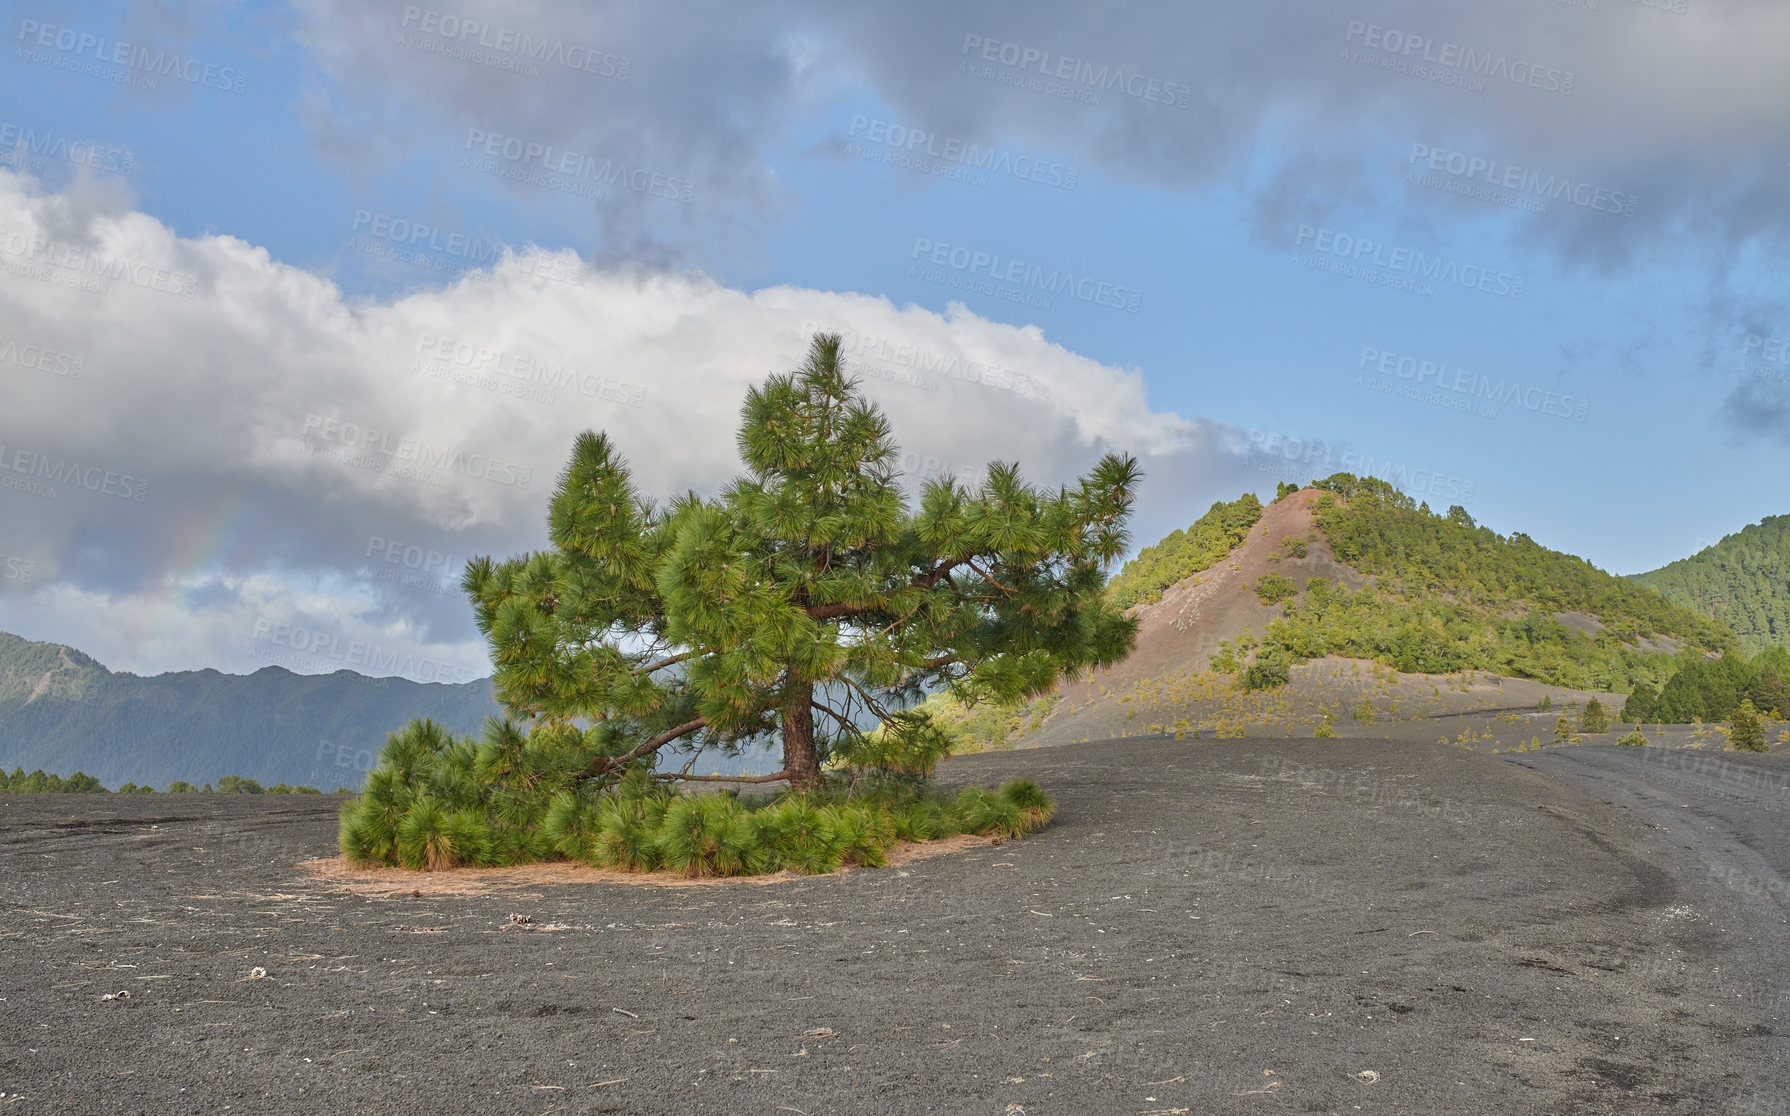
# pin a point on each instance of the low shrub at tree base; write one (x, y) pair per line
(437, 802)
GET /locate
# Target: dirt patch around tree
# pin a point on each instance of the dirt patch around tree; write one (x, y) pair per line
(341, 875)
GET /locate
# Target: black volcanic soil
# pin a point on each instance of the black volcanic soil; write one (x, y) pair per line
(1231, 926)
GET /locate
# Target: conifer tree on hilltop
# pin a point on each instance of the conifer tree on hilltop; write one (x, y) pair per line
(806, 599)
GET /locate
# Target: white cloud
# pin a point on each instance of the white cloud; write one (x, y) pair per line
(247, 443)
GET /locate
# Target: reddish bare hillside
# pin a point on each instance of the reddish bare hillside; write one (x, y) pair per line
(1167, 684)
(1180, 632)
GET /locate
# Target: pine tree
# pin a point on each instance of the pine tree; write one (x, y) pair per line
(1641, 704)
(1747, 735)
(1594, 719)
(804, 601)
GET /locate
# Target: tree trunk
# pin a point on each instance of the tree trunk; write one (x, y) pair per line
(799, 758)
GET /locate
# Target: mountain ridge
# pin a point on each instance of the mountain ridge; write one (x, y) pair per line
(61, 710)
(1743, 580)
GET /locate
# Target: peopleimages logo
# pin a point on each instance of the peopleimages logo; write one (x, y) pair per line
(918, 145)
(1301, 460)
(1027, 59)
(21, 146)
(392, 453)
(42, 358)
(455, 36)
(136, 60)
(927, 364)
(537, 163)
(82, 268)
(426, 245)
(974, 263)
(516, 373)
(1771, 350)
(1361, 252)
(1471, 385)
(1466, 171)
(314, 648)
(27, 471)
(1456, 64)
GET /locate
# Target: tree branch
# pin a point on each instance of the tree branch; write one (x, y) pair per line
(870, 703)
(723, 778)
(988, 577)
(670, 660)
(604, 764)
(924, 581)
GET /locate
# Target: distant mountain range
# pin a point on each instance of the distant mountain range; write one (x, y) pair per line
(1743, 581)
(62, 711)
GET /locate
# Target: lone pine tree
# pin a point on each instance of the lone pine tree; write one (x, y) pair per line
(806, 601)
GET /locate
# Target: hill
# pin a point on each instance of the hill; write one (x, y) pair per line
(62, 711)
(1742, 581)
(1346, 592)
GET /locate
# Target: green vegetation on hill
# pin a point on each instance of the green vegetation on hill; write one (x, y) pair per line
(1182, 554)
(1414, 552)
(1449, 595)
(1742, 581)
(1705, 689)
(988, 726)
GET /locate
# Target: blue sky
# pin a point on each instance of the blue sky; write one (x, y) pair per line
(1638, 422)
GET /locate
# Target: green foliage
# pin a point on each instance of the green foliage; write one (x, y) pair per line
(81, 783)
(1034, 806)
(1224, 660)
(1747, 736)
(803, 837)
(710, 835)
(1742, 581)
(1562, 730)
(1364, 710)
(1704, 689)
(39, 783)
(987, 726)
(434, 838)
(1595, 718)
(438, 802)
(1268, 671)
(627, 830)
(1641, 705)
(1547, 702)
(806, 598)
(1184, 553)
(1273, 588)
(1633, 740)
(1283, 490)
(1449, 595)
